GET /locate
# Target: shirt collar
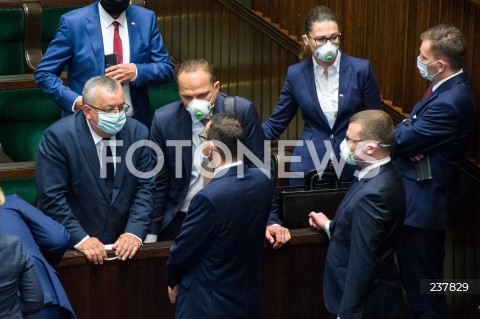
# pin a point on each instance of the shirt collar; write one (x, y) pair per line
(107, 19)
(96, 138)
(378, 163)
(225, 167)
(445, 80)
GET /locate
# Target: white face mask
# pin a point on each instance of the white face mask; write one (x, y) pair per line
(327, 52)
(423, 69)
(347, 155)
(200, 109)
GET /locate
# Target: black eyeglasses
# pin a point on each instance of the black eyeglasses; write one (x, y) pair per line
(202, 137)
(334, 38)
(125, 107)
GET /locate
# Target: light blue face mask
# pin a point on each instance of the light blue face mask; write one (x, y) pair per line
(423, 69)
(327, 52)
(111, 123)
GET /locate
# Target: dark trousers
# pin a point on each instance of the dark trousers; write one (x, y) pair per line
(50, 312)
(173, 228)
(421, 256)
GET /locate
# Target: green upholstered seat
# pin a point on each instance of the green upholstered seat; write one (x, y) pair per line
(11, 41)
(23, 187)
(50, 21)
(24, 115)
(162, 94)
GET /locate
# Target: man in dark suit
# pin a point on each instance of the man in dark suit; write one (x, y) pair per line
(361, 278)
(100, 198)
(44, 241)
(176, 128)
(20, 290)
(83, 39)
(434, 139)
(214, 265)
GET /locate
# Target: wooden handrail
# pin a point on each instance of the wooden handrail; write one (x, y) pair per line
(22, 81)
(17, 170)
(265, 27)
(33, 35)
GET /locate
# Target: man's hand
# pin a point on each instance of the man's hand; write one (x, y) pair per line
(126, 246)
(122, 72)
(93, 250)
(317, 220)
(277, 235)
(173, 293)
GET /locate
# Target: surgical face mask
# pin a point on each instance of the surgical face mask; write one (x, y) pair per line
(111, 123)
(327, 52)
(423, 69)
(200, 109)
(115, 7)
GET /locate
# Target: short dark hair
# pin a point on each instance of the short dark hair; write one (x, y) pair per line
(447, 42)
(228, 129)
(194, 65)
(94, 84)
(376, 125)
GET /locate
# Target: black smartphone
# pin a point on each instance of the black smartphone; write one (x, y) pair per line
(111, 60)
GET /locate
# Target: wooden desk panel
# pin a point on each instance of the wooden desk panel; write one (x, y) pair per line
(291, 282)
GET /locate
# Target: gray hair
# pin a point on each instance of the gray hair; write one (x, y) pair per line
(94, 84)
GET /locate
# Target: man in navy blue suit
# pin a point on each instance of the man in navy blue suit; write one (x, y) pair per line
(176, 128)
(100, 198)
(430, 146)
(83, 39)
(45, 242)
(214, 265)
(362, 279)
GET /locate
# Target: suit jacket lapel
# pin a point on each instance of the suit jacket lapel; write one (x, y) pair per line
(133, 34)
(89, 151)
(184, 124)
(420, 107)
(92, 24)
(350, 194)
(121, 150)
(345, 74)
(309, 74)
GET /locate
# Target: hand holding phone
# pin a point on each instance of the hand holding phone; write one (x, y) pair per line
(111, 60)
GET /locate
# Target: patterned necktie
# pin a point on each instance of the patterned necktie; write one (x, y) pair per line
(207, 170)
(117, 43)
(109, 180)
(427, 94)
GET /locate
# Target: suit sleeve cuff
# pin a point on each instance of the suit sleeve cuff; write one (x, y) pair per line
(81, 241)
(327, 228)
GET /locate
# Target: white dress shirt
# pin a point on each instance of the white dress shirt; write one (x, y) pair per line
(106, 21)
(327, 88)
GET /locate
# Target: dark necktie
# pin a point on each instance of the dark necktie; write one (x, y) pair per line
(207, 170)
(427, 94)
(117, 43)
(109, 180)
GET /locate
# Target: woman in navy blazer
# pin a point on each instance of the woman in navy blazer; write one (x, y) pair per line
(328, 88)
